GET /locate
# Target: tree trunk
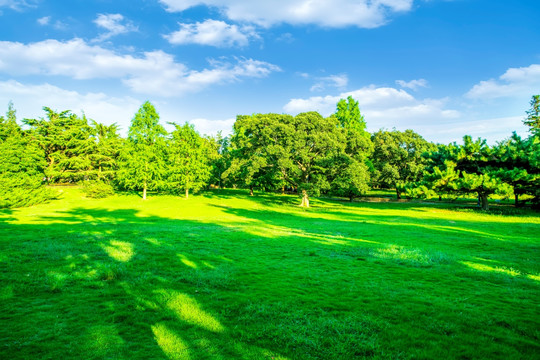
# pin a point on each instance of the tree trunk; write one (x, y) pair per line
(305, 199)
(484, 201)
(398, 193)
(516, 199)
(187, 193)
(251, 190)
(283, 190)
(144, 191)
(440, 198)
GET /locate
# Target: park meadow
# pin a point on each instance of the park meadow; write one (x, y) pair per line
(225, 275)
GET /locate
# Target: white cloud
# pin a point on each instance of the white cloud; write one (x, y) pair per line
(114, 24)
(337, 13)
(154, 72)
(336, 81)
(413, 84)
(383, 107)
(44, 20)
(213, 33)
(29, 100)
(17, 5)
(515, 82)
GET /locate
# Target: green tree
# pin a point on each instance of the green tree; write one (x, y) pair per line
(67, 144)
(465, 169)
(142, 163)
(533, 116)
(349, 171)
(397, 158)
(106, 150)
(253, 163)
(22, 165)
(518, 165)
(189, 162)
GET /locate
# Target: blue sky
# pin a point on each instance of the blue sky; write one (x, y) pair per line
(443, 68)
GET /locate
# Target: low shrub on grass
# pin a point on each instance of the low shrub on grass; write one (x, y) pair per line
(97, 189)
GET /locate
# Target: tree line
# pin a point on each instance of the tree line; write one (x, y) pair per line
(307, 154)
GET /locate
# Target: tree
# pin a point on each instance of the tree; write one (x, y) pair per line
(518, 165)
(107, 147)
(464, 169)
(21, 166)
(349, 171)
(142, 163)
(251, 150)
(397, 158)
(189, 163)
(305, 146)
(67, 144)
(533, 116)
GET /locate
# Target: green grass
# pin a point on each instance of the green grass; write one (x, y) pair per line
(226, 276)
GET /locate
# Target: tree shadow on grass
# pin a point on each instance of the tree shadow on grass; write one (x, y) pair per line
(99, 283)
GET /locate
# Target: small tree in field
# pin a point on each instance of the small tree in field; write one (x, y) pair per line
(142, 161)
(533, 116)
(189, 165)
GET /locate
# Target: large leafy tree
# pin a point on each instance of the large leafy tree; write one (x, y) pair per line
(66, 141)
(349, 173)
(142, 164)
(253, 161)
(22, 165)
(397, 158)
(189, 161)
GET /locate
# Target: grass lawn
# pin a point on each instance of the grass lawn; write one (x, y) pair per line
(226, 276)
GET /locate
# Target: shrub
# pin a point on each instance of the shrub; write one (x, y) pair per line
(97, 189)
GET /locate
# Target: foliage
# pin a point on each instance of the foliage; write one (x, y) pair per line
(67, 144)
(107, 148)
(533, 116)
(397, 158)
(464, 169)
(142, 161)
(188, 164)
(97, 189)
(21, 166)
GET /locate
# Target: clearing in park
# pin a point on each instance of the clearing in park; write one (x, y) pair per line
(228, 276)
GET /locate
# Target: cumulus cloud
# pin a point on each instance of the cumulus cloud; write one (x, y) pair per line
(115, 24)
(413, 84)
(515, 82)
(29, 100)
(17, 5)
(383, 107)
(44, 20)
(212, 33)
(336, 81)
(154, 72)
(337, 13)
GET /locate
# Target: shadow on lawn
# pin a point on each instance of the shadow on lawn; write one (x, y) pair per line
(99, 283)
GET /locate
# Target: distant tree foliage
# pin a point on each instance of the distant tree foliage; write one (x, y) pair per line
(22, 166)
(464, 169)
(142, 161)
(308, 154)
(397, 158)
(188, 159)
(533, 116)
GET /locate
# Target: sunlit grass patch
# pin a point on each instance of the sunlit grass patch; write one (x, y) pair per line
(228, 276)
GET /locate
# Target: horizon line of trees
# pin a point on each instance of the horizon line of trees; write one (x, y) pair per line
(307, 154)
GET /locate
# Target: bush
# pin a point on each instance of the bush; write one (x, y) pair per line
(97, 189)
